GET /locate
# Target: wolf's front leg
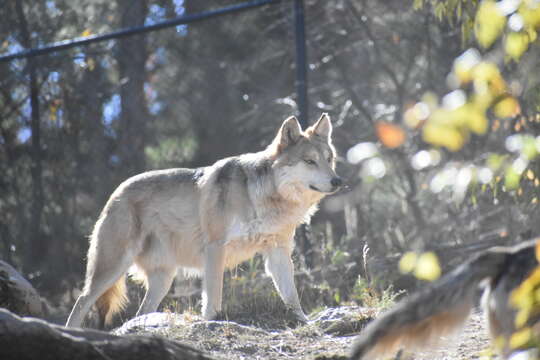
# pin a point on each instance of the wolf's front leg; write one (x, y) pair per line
(214, 266)
(280, 267)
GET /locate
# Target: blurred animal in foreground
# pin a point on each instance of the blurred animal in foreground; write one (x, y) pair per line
(443, 306)
(207, 219)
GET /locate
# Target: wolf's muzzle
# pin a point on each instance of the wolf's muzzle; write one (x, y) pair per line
(336, 182)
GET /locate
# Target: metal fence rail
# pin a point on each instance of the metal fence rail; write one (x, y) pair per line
(181, 20)
(300, 42)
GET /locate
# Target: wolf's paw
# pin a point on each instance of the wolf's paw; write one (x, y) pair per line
(295, 318)
(219, 316)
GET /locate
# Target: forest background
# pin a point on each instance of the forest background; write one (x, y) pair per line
(431, 165)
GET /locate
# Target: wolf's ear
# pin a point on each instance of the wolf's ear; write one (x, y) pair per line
(289, 133)
(323, 127)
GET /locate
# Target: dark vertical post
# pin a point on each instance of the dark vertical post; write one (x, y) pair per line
(35, 246)
(301, 62)
(303, 241)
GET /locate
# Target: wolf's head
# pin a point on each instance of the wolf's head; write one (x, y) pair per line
(304, 164)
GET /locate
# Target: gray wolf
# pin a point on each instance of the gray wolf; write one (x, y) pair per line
(443, 306)
(208, 219)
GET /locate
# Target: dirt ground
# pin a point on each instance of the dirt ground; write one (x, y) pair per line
(470, 343)
(329, 335)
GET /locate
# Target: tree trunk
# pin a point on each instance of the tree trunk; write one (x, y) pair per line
(213, 98)
(28, 338)
(131, 59)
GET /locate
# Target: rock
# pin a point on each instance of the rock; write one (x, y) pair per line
(342, 321)
(149, 323)
(17, 294)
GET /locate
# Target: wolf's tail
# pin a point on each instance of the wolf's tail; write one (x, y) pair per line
(434, 311)
(112, 301)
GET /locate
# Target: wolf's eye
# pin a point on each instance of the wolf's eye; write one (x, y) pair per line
(310, 162)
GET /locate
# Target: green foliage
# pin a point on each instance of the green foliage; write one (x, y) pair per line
(456, 12)
(367, 294)
(490, 22)
(522, 20)
(451, 123)
(480, 93)
(171, 152)
(339, 257)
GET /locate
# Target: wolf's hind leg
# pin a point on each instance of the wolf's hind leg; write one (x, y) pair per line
(159, 282)
(80, 309)
(102, 277)
(280, 267)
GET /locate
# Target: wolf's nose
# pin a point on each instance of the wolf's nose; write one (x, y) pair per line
(336, 182)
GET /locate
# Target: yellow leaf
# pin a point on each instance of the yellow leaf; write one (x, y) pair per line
(407, 262)
(53, 108)
(533, 35)
(86, 33)
(477, 120)
(482, 98)
(418, 4)
(511, 178)
(530, 13)
(520, 338)
(462, 73)
(91, 63)
(427, 267)
(516, 44)
(416, 115)
(523, 296)
(507, 107)
(464, 64)
(529, 149)
(456, 117)
(522, 316)
(489, 23)
(537, 250)
(443, 135)
(499, 343)
(430, 99)
(487, 77)
(530, 174)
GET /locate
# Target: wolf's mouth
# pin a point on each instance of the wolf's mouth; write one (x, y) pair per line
(322, 191)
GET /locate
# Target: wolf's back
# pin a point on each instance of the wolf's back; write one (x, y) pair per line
(440, 308)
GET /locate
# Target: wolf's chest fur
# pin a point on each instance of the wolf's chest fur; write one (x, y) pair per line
(265, 227)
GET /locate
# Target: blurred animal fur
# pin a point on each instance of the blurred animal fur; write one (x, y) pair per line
(442, 307)
(208, 219)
